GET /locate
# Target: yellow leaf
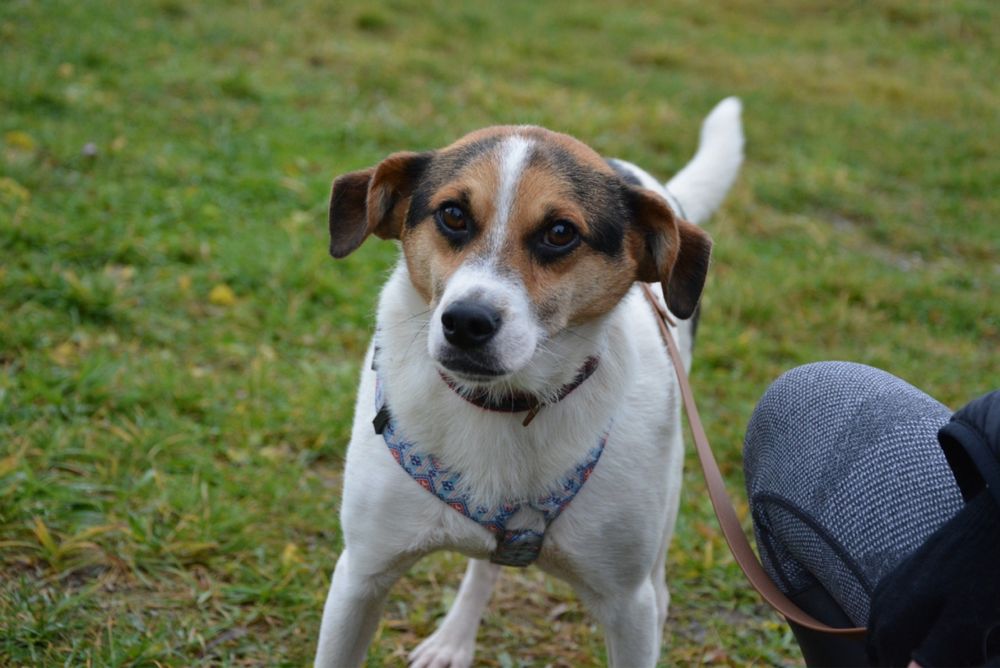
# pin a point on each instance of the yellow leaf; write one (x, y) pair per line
(222, 295)
(12, 191)
(63, 354)
(290, 555)
(184, 283)
(19, 140)
(237, 456)
(8, 464)
(66, 70)
(272, 453)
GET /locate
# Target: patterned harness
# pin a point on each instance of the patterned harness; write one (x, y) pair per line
(515, 547)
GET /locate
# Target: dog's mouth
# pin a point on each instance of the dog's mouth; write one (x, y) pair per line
(470, 368)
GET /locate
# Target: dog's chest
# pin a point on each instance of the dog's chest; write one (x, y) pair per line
(519, 522)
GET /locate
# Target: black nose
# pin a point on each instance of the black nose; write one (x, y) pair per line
(469, 324)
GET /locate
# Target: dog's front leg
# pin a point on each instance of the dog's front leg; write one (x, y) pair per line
(353, 609)
(454, 642)
(629, 620)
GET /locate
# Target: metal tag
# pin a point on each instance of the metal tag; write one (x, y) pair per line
(518, 547)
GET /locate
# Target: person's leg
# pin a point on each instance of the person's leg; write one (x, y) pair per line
(845, 478)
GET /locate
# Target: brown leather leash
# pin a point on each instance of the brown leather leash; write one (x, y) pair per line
(721, 502)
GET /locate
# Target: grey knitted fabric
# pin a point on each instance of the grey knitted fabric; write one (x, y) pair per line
(845, 478)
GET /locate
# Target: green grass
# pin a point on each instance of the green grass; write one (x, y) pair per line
(178, 354)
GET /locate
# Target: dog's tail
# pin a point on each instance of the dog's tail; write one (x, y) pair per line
(701, 185)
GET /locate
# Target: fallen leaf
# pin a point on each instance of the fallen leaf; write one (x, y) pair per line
(63, 354)
(8, 464)
(12, 191)
(222, 295)
(19, 140)
(290, 555)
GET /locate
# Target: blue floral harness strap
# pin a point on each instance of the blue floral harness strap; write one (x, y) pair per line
(515, 547)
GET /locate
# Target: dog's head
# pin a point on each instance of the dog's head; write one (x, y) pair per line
(512, 235)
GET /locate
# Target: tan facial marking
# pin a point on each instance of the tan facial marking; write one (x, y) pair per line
(573, 289)
(430, 259)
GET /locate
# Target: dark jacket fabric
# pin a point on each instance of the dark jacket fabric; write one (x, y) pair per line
(971, 442)
(941, 605)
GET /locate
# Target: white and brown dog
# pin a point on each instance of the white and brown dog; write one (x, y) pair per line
(516, 403)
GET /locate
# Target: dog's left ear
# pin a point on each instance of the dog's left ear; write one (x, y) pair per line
(671, 250)
(373, 201)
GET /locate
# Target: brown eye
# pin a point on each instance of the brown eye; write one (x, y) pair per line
(453, 218)
(454, 223)
(560, 235)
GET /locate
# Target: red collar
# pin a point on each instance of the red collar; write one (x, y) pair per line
(518, 402)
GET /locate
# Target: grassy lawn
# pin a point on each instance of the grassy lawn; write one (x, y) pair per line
(178, 354)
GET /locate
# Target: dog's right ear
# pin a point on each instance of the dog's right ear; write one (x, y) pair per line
(373, 200)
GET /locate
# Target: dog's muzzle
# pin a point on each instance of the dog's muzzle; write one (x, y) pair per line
(483, 327)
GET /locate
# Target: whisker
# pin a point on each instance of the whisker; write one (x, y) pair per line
(421, 330)
(408, 319)
(569, 330)
(551, 354)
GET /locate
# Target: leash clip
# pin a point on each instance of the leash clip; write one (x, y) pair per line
(531, 414)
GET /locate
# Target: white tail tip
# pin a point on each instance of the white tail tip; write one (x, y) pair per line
(702, 184)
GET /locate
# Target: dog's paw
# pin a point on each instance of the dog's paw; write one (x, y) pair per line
(443, 650)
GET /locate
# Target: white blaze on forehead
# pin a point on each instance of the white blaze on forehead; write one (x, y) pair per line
(513, 153)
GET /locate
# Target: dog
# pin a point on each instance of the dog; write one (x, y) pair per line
(516, 404)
